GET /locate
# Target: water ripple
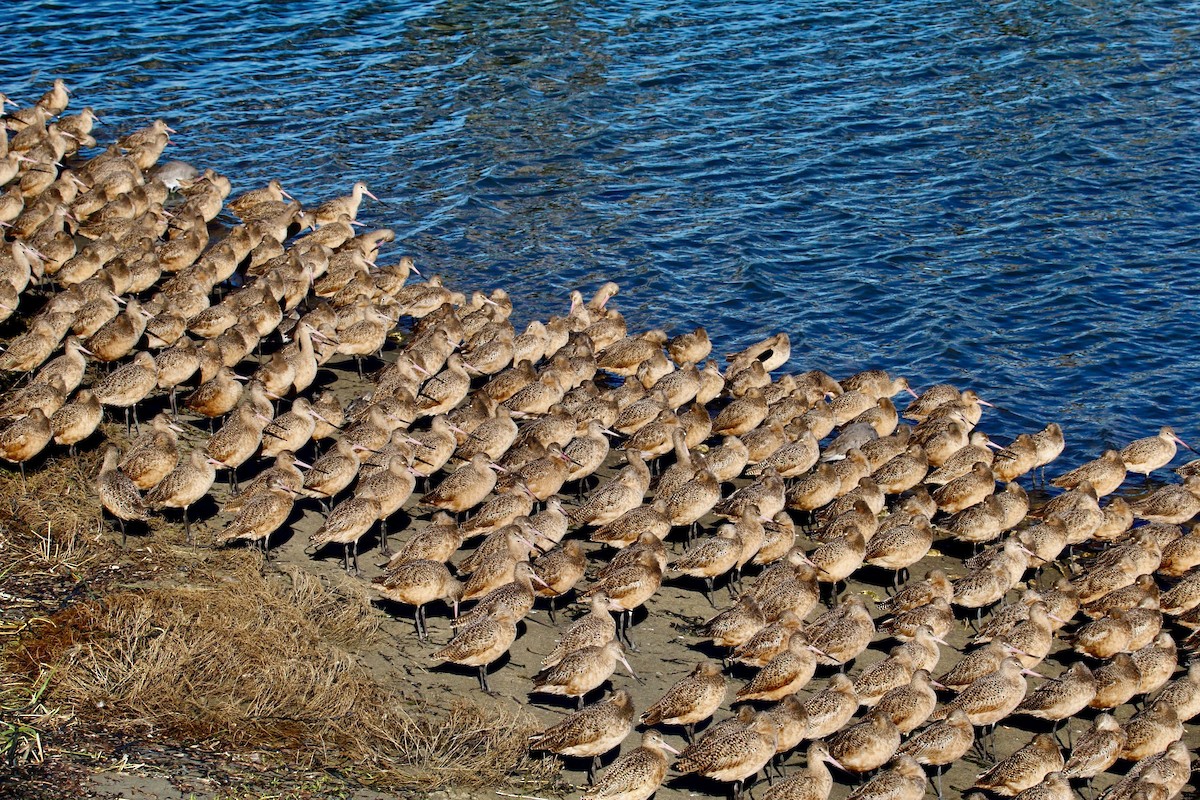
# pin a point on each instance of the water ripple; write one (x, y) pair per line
(999, 195)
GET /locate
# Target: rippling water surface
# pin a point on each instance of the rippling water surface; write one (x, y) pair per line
(1000, 195)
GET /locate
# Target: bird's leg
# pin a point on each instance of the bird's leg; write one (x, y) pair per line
(383, 538)
(355, 552)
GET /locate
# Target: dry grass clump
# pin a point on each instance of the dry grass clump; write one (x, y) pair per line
(258, 663)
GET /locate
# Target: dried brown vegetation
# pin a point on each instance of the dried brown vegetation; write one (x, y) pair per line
(237, 658)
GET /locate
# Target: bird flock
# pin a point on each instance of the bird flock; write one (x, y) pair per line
(577, 458)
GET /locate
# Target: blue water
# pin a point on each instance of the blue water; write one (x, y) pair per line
(999, 195)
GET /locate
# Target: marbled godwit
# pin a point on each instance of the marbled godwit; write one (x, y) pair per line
(1014, 503)
(812, 491)
(867, 745)
(793, 458)
(734, 626)
(843, 632)
(691, 700)
(1183, 693)
(784, 674)
(261, 516)
(883, 676)
(712, 557)
(1049, 444)
(733, 757)
(236, 440)
(25, 438)
(742, 415)
(479, 645)
(1104, 637)
(418, 582)
(777, 539)
(1155, 663)
(922, 648)
(900, 546)
(629, 587)
(1024, 768)
(814, 783)
(438, 542)
(593, 629)
(831, 708)
(190, 480)
(992, 697)
(607, 503)
(963, 459)
(1096, 749)
(465, 488)
(117, 493)
(550, 524)
(942, 743)
(117, 337)
(77, 420)
(67, 368)
(942, 439)
(838, 558)
(1105, 473)
(691, 347)
(1016, 459)
(499, 511)
(345, 525)
(1063, 697)
(153, 454)
(624, 357)
(635, 775)
(966, 490)
(175, 365)
(560, 569)
(1116, 682)
(1170, 771)
(128, 385)
(332, 210)
(903, 779)
(903, 472)
(590, 732)
(332, 472)
(1125, 598)
(581, 671)
(1153, 452)
(1033, 637)
(1172, 504)
(935, 584)
(290, 431)
(624, 530)
(768, 493)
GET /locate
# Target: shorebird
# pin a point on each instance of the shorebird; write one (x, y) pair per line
(813, 783)
(1096, 749)
(1153, 452)
(868, 745)
(942, 743)
(261, 516)
(590, 732)
(1024, 768)
(117, 492)
(418, 582)
(187, 483)
(903, 779)
(992, 697)
(693, 699)
(480, 644)
(784, 674)
(581, 671)
(733, 757)
(635, 775)
(831, 708)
